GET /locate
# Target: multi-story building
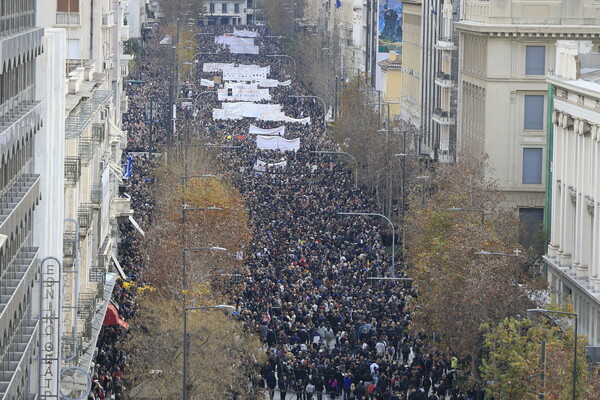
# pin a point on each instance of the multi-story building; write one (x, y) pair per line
(22, 229)
(353, 27)
(225, 12)
(92, 103)
(412, 49)
(573, 257)
(506, 48)
(134, 18)
(391, 83)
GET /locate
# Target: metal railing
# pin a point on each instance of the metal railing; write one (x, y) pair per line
(85, 215)
(98, 274)
(72, 169)
(98, 130)
(66, 18)
(96, 194)
(445, 77)
(69, 248)
(12, 23)
(86, 149)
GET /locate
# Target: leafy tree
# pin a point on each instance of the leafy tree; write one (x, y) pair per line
(512, 364)
(458, 290)
(221, 352)
(227, 226)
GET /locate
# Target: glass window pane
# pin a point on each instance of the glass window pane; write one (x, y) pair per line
(535, 60)
(532, 165)
(534, 112)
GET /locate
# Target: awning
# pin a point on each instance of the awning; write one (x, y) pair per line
(112, 317)
(118, 267)
(136, 226)
(116, 170)
(116, 130)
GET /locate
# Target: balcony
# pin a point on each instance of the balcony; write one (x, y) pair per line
(108, 20)
(86, 149)
(98, 130)
(124, 33)
(70, 244)
(443, 117)
(96, 194)
(65, 18)
(444, 80)
(19, 199)
(445, 43)
(76, 124)
(121, 207)
(85, 217)
(72, 169)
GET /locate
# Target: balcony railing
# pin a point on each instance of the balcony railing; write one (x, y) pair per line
(98, 132)
(66, 18)
(108, 20)
(96, 194)
(14, 22)
(98, 274)
(443, 117)
(69, 249)
(72, 169)
(85, 216)
(444, 80)
(86, 149)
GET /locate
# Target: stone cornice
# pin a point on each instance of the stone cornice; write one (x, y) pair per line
(557, 32)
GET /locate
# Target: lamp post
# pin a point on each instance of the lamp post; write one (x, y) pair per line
(324, 107)
(285, 56)
(348, 154)
(183, 258)
(574, 315)
(185, 341)
(516, 256)
(392, 267)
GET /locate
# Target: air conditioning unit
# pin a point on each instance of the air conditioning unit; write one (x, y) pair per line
(108, 64)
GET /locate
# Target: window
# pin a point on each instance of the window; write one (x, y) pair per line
(212, 8)
(249, 3)
(534, 112)
(73, 49)
(67, 6)
(532, 166)
(224, 8)
(531, 229)
(535, 60)
(236, 8)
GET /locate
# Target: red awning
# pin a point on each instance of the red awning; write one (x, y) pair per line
(112, 317)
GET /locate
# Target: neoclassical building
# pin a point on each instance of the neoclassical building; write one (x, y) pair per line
(573, 257)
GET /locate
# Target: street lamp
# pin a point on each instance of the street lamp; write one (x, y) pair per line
(543, 311)
(348, 154)
(285, 56)
(185, 341)
(392, 267)
(324, 107)
(516, 256)
(183, 258)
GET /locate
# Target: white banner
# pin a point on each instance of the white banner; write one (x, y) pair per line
(243, 49)
(206, 82)
(263, 112)
(244, 33)
(262, 166)
(215, 67)
(245, 73)
(243, 92)
(228, 40)
(277, 143)
(268, 83)
(255, 130)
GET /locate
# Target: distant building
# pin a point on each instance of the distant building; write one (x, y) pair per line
(225, 12)
(573, 257)
(506, 49)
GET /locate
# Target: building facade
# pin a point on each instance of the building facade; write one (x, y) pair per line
(506, 49)
(226, 12)
(412, 48)
(573, 257)
(88, 123)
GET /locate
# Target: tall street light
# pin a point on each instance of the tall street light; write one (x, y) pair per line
(324, 107)
(185, 340)
(516, 256)
(543, 311)
(392, 267)
(349, 155)
(183, 258)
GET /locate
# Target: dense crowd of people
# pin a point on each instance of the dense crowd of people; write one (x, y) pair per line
(330, 331)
